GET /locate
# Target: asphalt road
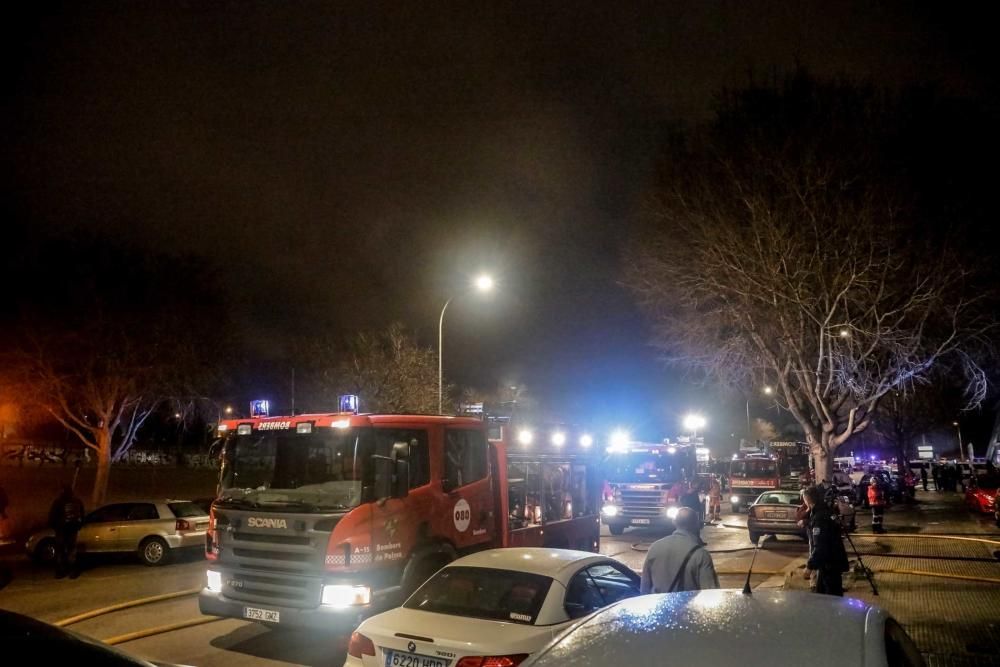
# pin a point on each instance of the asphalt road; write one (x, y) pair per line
(234, 642)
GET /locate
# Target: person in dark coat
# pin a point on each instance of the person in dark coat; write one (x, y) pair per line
(65, 520)
(827, 556)
(923, 476)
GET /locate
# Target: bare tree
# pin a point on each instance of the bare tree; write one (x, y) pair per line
(101, 386)
(388, 369)
(777, 252)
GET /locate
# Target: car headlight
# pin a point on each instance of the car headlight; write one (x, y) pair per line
(671, 512)
(214, 583)
(734, 499)
(341, 595)
(609, 510)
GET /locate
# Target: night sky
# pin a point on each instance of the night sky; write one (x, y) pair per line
(345, 165)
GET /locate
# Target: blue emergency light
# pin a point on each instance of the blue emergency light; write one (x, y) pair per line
(349, 403)
(260, 408)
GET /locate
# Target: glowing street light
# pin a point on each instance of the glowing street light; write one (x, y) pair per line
(229, 409)
(694, 423)
(845, 333)
(768, 390)
(482, 283)
(619, 440)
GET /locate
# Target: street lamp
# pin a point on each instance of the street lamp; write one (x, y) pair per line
(229, 409)
(482, 283)
(958, 428)
(768, 390)
(694, 422)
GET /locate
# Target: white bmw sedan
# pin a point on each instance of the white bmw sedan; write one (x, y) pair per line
(491, 609)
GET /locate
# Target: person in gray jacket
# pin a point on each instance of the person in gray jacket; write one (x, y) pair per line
(680, 561)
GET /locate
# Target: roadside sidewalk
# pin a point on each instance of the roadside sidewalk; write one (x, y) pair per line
(954, 621)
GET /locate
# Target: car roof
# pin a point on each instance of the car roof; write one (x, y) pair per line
(720, 628)
(558, 564)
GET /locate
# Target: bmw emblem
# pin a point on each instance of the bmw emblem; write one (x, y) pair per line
(411, 647)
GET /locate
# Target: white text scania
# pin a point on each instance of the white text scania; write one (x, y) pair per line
(261, 522)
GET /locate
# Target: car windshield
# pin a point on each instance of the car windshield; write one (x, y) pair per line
(652, 466)
(479, 592)
(778, 499)
(753, 468)
(311, 471)
(186, 509)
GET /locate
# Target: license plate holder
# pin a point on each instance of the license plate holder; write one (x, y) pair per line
(258, 614)
(641, 522)
(774, 515)
(404, 659)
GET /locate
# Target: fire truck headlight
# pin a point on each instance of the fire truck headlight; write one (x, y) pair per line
(586, 440)
(734, 499)
(525, 437)
(609, 510)
(671, 512)
(340, 595)
(558, 438)
(214, 582)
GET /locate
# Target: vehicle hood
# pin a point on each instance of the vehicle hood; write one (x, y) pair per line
(721, 628)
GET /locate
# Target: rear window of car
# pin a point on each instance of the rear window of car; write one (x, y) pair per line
(479, 592)
(185, 509)
(779, 499)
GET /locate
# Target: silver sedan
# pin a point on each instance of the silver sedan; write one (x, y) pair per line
(151, 529)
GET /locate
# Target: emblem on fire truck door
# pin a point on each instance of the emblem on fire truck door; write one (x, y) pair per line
(390, 527)
(462, 515)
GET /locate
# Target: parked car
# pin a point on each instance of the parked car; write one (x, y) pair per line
(981, 493)
(777, 512)
(494, 607)
(44, 644)
(725, 628)
(150, 528)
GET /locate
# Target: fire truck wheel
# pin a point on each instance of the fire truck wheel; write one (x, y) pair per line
(616, 530)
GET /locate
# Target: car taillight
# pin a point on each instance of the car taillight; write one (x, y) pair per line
(492, 660)
(182, 524)
(360, 645)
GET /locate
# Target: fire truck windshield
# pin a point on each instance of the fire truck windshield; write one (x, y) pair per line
(317, 471)
(753, 468)
(651, 466)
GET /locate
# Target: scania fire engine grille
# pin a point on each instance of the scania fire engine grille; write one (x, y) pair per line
(641, 504)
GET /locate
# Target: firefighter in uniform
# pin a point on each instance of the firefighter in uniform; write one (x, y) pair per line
(876, 498)
(715, 500)
(827, 557)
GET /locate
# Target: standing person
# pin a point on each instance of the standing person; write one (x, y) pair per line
(65, 519)
(691, 500)
(936, 473)
(876, 499)
(923, 476)
(715, 500)
(679, 562)
(827, 557)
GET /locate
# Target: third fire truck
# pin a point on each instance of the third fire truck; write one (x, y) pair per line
(751, 474)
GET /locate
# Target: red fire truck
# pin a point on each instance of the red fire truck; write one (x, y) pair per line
(751, 474)
(644, 484)
(324, 519)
